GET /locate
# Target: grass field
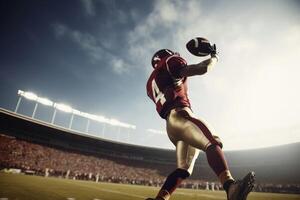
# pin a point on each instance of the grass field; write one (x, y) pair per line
(19, 187)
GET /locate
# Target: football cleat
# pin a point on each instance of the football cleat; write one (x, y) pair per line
(241, 188)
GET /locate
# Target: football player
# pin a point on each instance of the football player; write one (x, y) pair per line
(167, 87)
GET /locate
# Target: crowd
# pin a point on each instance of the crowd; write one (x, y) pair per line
(28, 156)
(42, 160)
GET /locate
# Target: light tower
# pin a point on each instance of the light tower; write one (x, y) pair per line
(68, 109)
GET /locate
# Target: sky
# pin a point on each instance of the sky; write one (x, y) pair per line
(95, 55)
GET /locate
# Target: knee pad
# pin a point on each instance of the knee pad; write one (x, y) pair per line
(217, 142)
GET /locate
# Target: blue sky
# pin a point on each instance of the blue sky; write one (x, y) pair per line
(95, 56)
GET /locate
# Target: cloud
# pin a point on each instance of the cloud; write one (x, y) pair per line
(84, 40)
(89, 7)
(119, 66)
(59, 30)
(94, 48)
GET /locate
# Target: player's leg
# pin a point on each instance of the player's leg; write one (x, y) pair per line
(184, 126)
(197, 133)
(186, 157)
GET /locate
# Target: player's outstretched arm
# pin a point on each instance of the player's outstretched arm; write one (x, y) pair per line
(200, 68)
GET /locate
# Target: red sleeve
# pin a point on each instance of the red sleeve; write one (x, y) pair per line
(174, 65)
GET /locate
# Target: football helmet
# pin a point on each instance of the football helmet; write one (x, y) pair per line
(159, 55)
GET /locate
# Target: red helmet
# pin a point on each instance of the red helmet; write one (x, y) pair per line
(159, 55)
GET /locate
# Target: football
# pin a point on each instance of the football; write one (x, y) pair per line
(199, 46)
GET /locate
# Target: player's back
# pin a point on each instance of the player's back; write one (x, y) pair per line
(166, 87)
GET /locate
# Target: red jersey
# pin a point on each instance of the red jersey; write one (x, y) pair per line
(166, 87)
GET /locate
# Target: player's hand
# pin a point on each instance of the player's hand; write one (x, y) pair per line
(214, 52)
(213, 49)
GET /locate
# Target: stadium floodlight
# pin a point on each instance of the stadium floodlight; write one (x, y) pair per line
(20, 93)
(121, 124)
(127, 125)
(30, 96)
(93, 117)
(69, 109)
(76, 112)
(114, 122)
(63, 107)
(33, 97)
(53, 116)
(44, 101)
(101, 119)
(89, 116)
(84, 114)
(34, 110)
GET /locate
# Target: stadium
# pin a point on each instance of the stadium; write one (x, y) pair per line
(112, 99)
(38, 155)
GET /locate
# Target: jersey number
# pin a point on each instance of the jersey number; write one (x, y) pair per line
(157, 94)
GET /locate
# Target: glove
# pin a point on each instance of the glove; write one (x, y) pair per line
(214, 52)
(213, 49)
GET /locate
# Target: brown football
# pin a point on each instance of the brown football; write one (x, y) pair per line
(199, 46)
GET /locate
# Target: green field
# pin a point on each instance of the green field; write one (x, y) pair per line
(19, 187)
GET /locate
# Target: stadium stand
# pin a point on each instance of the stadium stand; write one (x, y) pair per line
(38, 148)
